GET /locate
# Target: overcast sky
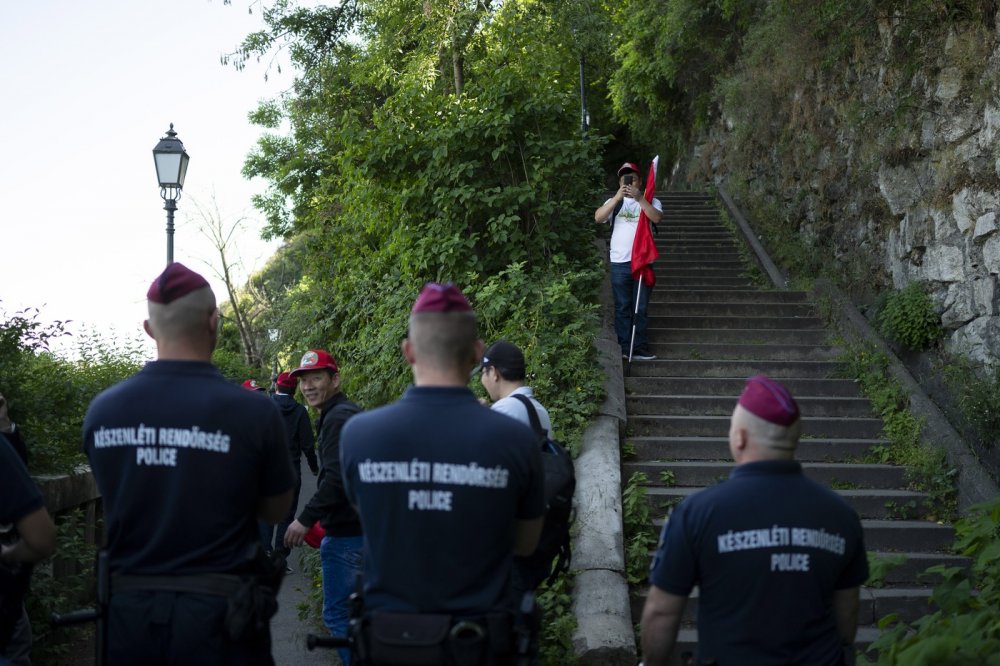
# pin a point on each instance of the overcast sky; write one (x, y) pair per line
(88, 89)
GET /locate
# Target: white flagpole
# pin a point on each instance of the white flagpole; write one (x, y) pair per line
(638, 296)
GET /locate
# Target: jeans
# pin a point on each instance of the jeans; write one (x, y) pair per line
(341, 560)
(624, 288)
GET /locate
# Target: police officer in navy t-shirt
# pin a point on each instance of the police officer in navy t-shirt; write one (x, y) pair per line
(777, 558)
(186, 463)
(447, 490)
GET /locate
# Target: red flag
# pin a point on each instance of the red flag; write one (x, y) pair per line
(644, 251)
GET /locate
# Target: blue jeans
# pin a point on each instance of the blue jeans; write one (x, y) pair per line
(341, 559)
(624, 288)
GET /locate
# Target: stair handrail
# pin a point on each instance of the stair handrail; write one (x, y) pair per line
(777, 278)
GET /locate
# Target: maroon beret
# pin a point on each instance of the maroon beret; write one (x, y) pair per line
(437, 297)
(175, 281)
(769, 400)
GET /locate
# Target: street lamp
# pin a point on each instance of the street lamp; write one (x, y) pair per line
(171, 168)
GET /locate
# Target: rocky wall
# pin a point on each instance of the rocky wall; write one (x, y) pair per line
(894, 165)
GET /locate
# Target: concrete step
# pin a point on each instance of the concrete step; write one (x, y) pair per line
(755, 352)
(696, 246)
(777, 369)
(706, 473)
(758, 314)
(669, 296)
(907, 536)
(665, 267)
(912, 571)
(686, 262)
(718, 426)
(687, 644)
(673, 282)
(680, 245)
(683, 447)
(722, 405)
(707, 256)
(734, 386)
(774, 336)
(695, 315)
(874, 503)
(908, 603)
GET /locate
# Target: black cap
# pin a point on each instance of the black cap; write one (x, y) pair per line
(506, 358)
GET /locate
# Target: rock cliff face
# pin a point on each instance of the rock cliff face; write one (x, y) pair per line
(888, 164)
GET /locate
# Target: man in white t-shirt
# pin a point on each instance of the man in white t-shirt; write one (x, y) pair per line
(624, 287)
(502, 375)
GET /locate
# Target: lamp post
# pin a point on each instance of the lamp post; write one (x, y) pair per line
(171, 168)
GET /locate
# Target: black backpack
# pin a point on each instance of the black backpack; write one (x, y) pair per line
(552, 556)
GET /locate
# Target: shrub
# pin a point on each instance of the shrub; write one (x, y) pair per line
(908, 318)
(964, 629)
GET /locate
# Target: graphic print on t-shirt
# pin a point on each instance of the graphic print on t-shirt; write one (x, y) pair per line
(776, 537)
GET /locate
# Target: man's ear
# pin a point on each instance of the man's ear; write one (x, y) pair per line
(146, 327)
(407, 348)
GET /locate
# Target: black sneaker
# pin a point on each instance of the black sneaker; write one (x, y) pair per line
(643, 355)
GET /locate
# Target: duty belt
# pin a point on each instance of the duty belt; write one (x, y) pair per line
(222, 585)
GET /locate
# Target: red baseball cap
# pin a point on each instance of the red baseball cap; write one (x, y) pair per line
(767, 399)
(252, 385)
(628, 166)
(315, 359)
(286, 381)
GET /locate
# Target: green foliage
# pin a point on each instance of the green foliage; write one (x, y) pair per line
(668, 478)
(978, 397)
(908, 317)
(880, 565)
(926, 465)
(555, 602)
(964, 629)
(60, 585)
(39, 384)
(640, 536)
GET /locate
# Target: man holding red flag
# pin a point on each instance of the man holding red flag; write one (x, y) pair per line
(632, 251)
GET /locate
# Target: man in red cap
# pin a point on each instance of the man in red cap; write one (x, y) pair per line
(186, 463)
(340, 550)
(622, 211)
(777, 558)
(448, 492)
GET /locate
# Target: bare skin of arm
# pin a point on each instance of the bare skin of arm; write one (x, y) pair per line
(526, 533)
(602, 214)
(273, 508)
(38, 539)
(661, 618)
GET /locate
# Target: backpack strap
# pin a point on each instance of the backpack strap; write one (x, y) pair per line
(614, 214)
(536, 423)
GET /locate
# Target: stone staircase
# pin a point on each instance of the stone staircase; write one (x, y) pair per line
(711, 327)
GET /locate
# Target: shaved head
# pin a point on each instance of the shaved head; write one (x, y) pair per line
(446, 341)
(187, 321)
(753, 438)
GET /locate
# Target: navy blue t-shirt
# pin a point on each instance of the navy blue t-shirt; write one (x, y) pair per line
(182, 458)
(439, 480)
(19, 496)
(767, 549)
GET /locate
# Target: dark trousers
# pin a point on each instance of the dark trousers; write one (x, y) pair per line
(274, 538)
(625, 289)
(178, 629)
